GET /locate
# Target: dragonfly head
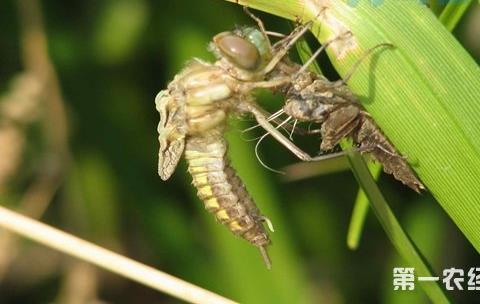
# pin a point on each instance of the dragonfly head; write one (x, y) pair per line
(246, 48)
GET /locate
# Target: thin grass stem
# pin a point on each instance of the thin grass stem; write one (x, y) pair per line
(106, 259)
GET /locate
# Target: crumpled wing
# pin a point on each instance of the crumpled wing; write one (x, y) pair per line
(171, 132)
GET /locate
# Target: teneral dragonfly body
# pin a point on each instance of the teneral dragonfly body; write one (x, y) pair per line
(193, 113)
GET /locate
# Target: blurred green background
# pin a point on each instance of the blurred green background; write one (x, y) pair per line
(111, 59)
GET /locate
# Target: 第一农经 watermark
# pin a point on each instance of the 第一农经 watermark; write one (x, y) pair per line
(453, 278)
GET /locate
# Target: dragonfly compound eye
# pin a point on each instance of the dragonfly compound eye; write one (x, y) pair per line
(239, 51)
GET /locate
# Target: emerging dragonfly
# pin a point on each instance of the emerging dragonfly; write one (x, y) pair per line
(195, 107)
(193, 114)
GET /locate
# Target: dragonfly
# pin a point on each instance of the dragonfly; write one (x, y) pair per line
(194, 109)
(197, 103)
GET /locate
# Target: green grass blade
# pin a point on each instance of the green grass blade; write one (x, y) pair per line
(360, 211)
(424, 94)
(427, 226)
(453, 12)
(392, 227)
(436, 7)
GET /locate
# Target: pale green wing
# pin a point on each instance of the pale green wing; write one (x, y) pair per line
(171, 132)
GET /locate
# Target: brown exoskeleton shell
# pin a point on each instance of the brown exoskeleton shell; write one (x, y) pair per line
(314, 98)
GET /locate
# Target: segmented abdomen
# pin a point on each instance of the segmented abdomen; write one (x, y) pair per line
(221, 190)
(370, 136)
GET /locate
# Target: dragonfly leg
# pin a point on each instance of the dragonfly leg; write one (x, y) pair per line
(302, 155)
(359, 61)
(288, 42)
(273, 83)
(320, 50)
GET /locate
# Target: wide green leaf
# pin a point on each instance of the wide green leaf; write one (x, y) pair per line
(424, 93)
